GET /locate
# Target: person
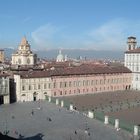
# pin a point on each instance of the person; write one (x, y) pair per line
(32, 112)
(75, 132)
(16, 132)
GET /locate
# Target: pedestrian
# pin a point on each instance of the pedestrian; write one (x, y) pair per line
(16, 132)
(75, 132)
(32, 112)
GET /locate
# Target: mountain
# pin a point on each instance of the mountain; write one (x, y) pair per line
(74, 53)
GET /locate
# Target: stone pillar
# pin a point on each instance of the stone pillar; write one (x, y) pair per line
(71, 107)
(49, 98)
(90, 114)
(6, 99)
(136, 130)
(106, 120)
(62, 103)
(57, 102)
(117, 124)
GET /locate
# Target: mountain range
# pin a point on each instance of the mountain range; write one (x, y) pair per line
(74, 53)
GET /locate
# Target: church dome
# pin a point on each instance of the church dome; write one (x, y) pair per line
(60, 57)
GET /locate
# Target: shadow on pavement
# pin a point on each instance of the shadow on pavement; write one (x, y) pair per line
(36, 137)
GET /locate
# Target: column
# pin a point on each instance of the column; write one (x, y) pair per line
(57, 102)
(106, 120)
(6, 99)
(136, 130)
(49, 98)
(117, 124)
(90, 114)
(62, 103)
(71, 107)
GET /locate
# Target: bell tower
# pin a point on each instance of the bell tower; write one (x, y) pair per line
(131, 42)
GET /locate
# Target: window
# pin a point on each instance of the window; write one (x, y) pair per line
(45, 86)
(39, 86)
(19, 61)
(54, 85)
(70, 84)
(136, 78)
(74, 83)
(49, 86)
(137, 68)
(29, 87)
(65, 84)
(28, 61)
(92, 82)
(23, 87)
(60, 84)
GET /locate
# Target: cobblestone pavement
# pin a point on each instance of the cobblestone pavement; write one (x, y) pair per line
(46, 121)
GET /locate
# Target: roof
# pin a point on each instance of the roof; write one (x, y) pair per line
(84, 69)
(3, 75)
(137, 50)
(131, 37)
(24, 41)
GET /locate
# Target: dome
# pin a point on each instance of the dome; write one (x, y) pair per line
(60, 57)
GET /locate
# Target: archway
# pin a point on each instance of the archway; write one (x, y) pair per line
(46, 96)
(35, 96)
(1, 100)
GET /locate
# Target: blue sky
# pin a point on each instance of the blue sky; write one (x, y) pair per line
(84, 24)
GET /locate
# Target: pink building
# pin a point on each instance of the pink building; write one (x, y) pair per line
(89, 79)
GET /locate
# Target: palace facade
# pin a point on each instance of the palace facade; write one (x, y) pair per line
(78, 80)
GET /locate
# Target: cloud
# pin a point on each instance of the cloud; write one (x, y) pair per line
(113, 34)
(45, 35)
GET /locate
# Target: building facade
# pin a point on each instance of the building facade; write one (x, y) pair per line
(4, 89)
(85, 79)
(132, 61)
(1, 56)
(24, 56)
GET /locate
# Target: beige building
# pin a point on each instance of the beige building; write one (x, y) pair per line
(24, 56)
(2, 56)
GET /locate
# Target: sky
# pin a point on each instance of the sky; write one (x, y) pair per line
(69, 24)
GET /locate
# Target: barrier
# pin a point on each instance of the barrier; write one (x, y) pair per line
(62, 103)
(136, 130)
(57, 102)
(117, 124)
(106, 120)
(90, 114)
(71, 107)
(49, 99)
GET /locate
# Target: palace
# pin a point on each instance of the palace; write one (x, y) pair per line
(78, 80)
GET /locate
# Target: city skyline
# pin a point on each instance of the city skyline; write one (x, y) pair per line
(96, 25)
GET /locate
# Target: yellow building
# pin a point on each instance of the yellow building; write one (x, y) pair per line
(1, 55)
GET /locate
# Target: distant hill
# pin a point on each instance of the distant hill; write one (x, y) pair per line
(74, 53)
